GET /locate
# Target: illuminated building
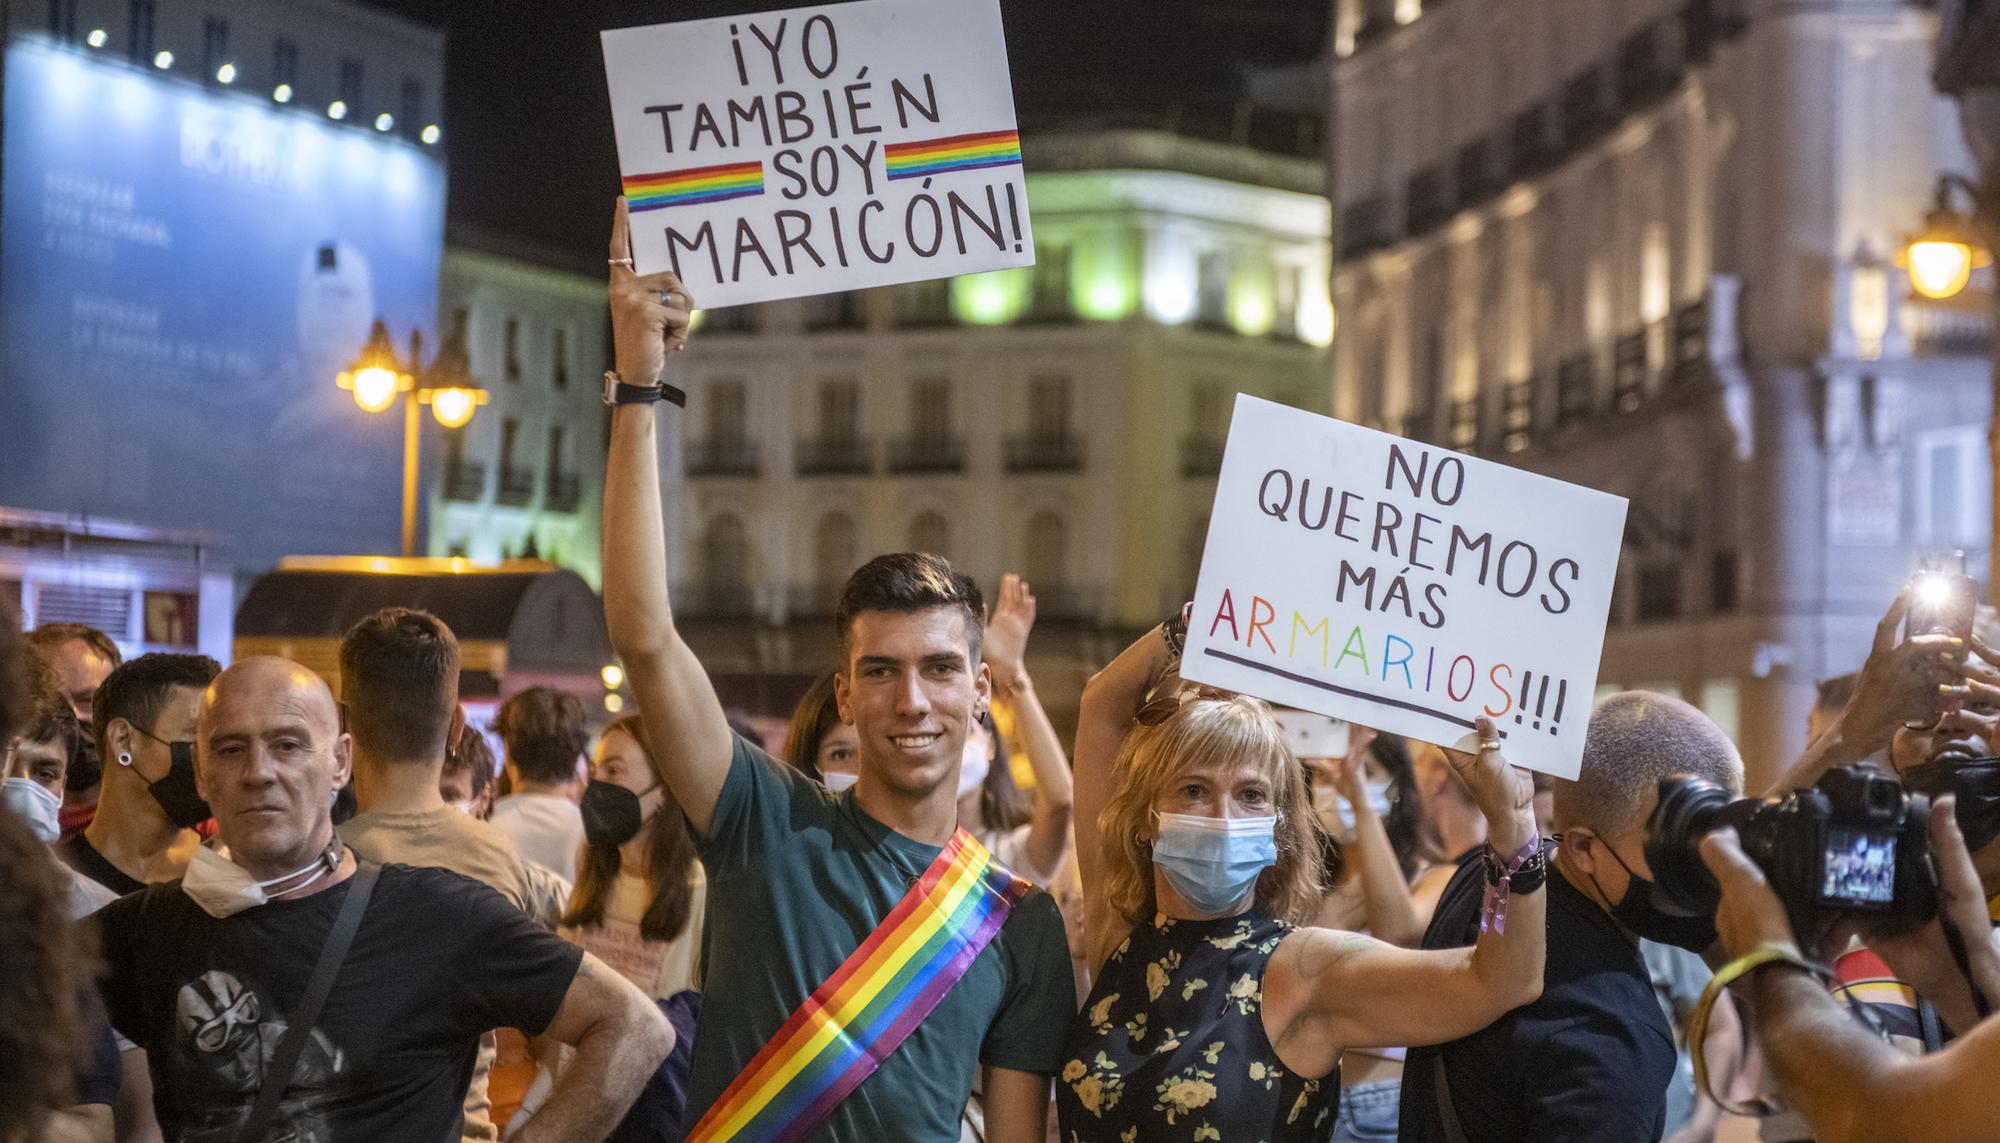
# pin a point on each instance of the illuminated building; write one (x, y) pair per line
(1064, 421)
(1647, 247)
(525, 478)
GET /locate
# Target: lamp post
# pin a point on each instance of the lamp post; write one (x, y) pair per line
(1940, 259)
(377, 378)
(1967, 68)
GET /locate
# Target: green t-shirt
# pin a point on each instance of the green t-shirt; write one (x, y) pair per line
(797, 879)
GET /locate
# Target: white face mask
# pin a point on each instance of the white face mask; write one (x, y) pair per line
(972, 765)
(33, 801)
(465, 807)
(223, 888)
(838, 780)
(1327, 802)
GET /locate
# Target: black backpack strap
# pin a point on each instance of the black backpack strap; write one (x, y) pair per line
(1931, 1026)
(278, 1077)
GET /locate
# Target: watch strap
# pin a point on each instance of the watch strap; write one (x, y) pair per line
(618, 392)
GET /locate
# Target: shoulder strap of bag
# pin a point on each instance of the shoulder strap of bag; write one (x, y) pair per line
(1454, 1131)
(279, 1076)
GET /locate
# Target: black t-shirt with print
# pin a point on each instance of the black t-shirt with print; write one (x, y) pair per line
(439, 959)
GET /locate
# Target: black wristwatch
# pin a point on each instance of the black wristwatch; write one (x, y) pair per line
(617, 392)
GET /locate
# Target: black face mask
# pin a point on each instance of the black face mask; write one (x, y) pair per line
(611, 813)
(1637, 912)
(85, 769)
(344, 804)
(176, 792)
(1976, 784)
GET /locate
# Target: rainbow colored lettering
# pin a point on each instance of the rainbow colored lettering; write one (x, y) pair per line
(692, 186)
(953, 153)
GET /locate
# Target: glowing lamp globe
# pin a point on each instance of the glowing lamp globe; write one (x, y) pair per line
(613, 675)
(453, 407)
(1940, 269)
(375, 388)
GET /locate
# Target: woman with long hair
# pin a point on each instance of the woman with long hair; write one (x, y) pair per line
(1201, 863)
(1377, 842)
(639, 890)
(818, 744)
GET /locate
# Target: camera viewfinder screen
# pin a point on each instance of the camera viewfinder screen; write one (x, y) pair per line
(1860, 867)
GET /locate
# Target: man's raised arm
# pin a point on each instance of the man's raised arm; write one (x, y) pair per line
(686, 732)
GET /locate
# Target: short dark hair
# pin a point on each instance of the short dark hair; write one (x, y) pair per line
(543, 731)
(474, 757)
(50, 636)
(399, 684)
(138, 691)
(13, 677)
(1833, 693)
(47, 717)
(909, 582)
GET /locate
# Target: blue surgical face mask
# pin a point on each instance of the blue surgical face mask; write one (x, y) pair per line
(1213, 863)
(36, 805)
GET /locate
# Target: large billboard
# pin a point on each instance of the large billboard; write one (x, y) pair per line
(183, 274)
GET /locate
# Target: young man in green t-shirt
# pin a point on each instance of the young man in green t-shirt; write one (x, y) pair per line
(799, 878)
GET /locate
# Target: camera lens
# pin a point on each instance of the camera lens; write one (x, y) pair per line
(1689, 809)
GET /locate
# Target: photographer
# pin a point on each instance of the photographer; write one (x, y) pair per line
(1910, 681)
(1845, 1081)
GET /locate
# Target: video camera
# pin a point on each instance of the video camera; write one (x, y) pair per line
(1853, 841)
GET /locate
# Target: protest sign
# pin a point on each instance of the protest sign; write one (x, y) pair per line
(1403, 586)
(813, 150)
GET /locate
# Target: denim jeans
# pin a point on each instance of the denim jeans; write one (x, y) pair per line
(1368, 1112)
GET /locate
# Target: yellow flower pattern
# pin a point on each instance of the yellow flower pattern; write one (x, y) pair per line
(1177, 1013)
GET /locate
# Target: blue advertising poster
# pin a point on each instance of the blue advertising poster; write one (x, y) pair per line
(183, 274)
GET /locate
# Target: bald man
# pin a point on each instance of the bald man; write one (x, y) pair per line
(205, 972)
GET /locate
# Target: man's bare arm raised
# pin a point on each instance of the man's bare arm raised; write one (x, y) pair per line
(685, 728)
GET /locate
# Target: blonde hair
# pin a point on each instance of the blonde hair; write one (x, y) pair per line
(1205, 733)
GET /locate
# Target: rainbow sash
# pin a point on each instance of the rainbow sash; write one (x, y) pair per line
(871, 1003)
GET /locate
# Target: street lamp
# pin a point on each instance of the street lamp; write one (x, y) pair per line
(377, 378)
(1942, 256)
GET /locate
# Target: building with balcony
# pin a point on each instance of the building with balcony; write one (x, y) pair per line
(1647, 246)
(1064, 421)
(525, 477)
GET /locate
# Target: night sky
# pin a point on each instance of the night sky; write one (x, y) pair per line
(528, 129)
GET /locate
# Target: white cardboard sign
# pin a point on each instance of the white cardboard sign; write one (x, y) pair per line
(813, 150)
(1404, 586)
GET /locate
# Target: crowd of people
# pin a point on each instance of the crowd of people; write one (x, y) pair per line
(234, 907)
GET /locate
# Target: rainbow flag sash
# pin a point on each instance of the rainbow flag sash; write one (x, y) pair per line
(871, 1003)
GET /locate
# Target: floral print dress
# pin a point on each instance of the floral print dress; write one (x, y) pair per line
(1171, 1046)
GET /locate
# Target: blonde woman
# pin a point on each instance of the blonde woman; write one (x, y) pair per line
(1214, 1016)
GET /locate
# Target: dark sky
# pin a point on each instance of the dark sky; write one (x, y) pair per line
(528, 130)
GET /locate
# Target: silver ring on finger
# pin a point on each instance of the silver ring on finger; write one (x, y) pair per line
(667, 299)
(625, 262)
(1486, 744)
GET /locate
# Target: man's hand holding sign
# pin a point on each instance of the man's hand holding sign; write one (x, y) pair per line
(1404, 587)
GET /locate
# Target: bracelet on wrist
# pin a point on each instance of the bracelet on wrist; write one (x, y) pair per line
(1524, 872)
(1174, 631)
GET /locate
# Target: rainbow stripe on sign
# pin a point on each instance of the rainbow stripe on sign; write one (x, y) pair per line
(954, 153)
(871, 1003)
(692, 186)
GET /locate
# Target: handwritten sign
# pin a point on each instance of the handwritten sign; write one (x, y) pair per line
(813, 150)
(1404, 587)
